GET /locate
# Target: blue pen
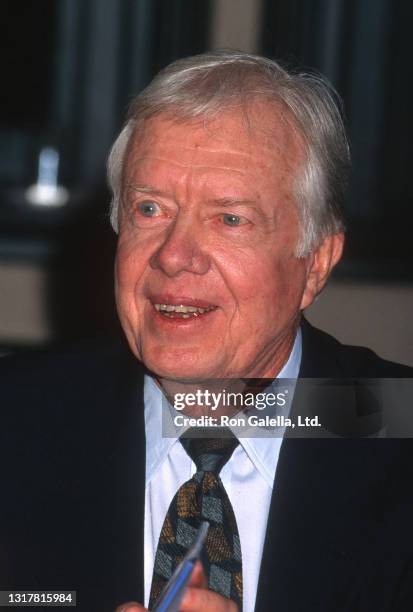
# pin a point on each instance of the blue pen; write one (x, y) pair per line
(172, 595)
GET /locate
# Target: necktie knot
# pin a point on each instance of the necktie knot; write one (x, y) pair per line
(209, 454)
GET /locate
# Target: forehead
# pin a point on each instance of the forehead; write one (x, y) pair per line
(244, 144)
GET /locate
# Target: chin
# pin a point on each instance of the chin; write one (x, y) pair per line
(178, 367)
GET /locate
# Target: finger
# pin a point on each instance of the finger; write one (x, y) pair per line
(198, 578)
(202, 599)
(130, 606)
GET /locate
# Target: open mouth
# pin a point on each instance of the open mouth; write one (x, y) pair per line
(179, 311)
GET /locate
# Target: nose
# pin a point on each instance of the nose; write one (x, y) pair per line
(181, 250)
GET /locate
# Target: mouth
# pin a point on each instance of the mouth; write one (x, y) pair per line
(181, 311)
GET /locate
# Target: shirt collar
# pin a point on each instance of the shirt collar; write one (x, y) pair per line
(263, 452)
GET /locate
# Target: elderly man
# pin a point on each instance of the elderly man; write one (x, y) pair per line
(227, 179)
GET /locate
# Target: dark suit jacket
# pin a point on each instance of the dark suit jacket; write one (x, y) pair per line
(72, 471)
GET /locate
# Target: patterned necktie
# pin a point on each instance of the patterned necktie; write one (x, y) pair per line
(202, 498)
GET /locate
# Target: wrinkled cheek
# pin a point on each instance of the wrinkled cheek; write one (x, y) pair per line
(126, 267)
(131, 263)
(291, 279)
(122, 282)
(127, 305)
(274, 303)
(126, 275)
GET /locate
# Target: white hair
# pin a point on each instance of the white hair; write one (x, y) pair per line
(204, 85)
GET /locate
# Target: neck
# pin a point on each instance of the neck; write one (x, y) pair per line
(217, 397)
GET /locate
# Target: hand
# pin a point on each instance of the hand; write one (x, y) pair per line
(197, 597)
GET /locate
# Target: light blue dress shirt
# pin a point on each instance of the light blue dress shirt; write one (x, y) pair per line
(247, 477)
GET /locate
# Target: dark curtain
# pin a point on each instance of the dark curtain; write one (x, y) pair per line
(364, 49)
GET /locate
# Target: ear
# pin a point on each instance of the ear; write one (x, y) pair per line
(320, 264)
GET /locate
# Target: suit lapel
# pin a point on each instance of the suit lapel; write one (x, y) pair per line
(320, 513)
(111, 497)
(129, 507)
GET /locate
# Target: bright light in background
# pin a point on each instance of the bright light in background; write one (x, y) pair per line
(46, 192)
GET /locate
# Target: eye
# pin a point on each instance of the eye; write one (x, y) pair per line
(149, 209)
(234, 220)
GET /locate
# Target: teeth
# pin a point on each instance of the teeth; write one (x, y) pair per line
(182, 309)
(185, 311)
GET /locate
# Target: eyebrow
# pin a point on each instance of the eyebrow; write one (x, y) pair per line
(228, 202)
(224, 202)
(145, 189)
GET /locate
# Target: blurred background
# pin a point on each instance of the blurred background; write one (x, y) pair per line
(69, 70)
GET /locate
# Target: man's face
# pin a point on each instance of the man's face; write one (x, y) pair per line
(207, 282)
